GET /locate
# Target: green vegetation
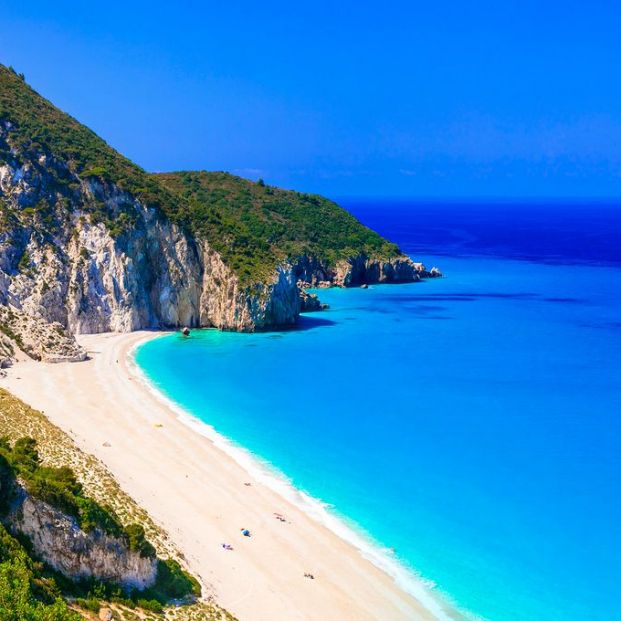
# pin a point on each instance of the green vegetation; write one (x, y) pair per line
(55, 448)
(172, 583)
(8, 331)
(60, 488)
(37, 126)
(25, 592)
(21, 76)
(39, 587)
(31, 591)
(254, 226)
(137, 541)
(6, 482)
(24, 262)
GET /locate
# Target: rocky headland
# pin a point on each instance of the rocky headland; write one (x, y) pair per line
(90, 243)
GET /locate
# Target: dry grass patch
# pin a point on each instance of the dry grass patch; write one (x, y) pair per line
(56, 449)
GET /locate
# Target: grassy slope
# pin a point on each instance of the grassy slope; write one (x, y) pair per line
(39, 125)
(57, 449)
(253, 226)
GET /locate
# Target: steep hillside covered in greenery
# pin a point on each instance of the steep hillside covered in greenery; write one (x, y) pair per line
(254, 226)
(90, 242)
(37, 126)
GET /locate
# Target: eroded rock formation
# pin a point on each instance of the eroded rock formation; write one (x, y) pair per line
(58, 540)
(64, 271)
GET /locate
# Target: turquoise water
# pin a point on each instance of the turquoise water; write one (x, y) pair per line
(470, 423)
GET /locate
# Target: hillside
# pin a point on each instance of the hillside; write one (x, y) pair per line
(38, 127)
(252, 225)
(90, 242)
(255, 226)
(45, 478)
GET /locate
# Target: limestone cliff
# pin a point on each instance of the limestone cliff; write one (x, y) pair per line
(361, 269)
(84, 280)
(57, 539)
(89, 242)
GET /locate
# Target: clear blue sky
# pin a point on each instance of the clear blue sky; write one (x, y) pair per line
(343, 98)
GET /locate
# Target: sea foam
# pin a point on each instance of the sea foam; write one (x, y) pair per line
(265, 473)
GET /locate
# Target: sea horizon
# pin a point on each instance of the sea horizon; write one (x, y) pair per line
(516, 265)
(310, 311)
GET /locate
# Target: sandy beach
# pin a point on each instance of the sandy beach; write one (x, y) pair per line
(202, 497)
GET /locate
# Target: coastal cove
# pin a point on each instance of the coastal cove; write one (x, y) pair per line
(464, 422)
(198, 494)
(310, 312)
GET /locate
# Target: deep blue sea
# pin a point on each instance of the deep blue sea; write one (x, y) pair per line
(471, 423)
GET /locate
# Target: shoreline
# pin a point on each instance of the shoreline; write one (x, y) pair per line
(355, 578)
(267, 474)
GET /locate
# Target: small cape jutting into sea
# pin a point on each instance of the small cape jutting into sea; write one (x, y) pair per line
(91, 244)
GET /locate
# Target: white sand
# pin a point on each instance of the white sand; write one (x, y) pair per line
(196, 492)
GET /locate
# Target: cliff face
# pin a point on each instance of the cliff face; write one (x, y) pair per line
(82, 279)
(359, 270)
(88, 281)
(89, 242)
(57, 539)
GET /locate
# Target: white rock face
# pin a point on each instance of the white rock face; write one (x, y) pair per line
(83, 279)
(58, 540)
(154, 276)
(7, 352)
